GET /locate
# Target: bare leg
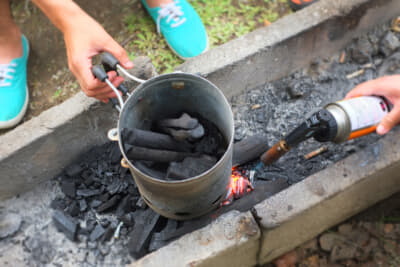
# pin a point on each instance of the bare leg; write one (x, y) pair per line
(155, 3)
(10, 35)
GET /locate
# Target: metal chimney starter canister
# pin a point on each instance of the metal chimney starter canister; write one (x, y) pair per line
(166, 96)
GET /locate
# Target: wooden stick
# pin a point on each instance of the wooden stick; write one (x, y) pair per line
(316, 152)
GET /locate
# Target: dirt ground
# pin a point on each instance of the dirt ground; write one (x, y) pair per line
(369, 239)
(49, 80)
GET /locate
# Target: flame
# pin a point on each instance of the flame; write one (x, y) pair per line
(238, 186)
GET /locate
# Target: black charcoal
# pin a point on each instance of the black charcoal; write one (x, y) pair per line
(95, 203)
(141, 234)
(97, 232)
(141, 204)
(82, 205)
(88, 192)
(190, 167)
(66, 224)
(68, 188)
(109, 204)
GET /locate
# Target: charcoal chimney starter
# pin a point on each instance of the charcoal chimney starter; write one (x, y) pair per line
(163, 97)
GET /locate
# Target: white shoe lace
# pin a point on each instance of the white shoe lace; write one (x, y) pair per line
(172, 12)
(5, 71)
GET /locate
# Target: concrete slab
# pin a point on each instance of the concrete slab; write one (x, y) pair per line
(231, 240)
(290, 43)
(326, 198)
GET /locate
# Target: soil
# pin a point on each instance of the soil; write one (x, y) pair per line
(49, 80)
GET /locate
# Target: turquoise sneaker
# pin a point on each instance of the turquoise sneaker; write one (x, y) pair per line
(14, 89)
(181, 27)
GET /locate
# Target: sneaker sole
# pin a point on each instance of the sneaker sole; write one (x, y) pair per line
(186, 58)
(18, 118)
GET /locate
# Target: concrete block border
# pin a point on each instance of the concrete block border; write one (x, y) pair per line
(39, 149)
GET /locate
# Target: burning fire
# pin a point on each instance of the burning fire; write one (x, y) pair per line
(238, 186)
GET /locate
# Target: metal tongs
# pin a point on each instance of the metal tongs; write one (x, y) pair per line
(109, 63)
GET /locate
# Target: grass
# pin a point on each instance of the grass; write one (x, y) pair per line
(224, 20)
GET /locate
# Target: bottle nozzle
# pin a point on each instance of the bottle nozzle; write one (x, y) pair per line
(275, 152)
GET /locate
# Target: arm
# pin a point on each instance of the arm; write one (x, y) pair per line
(84, 38)
(389, 87)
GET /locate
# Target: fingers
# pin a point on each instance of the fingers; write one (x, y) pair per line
(380, 86)
(389, 121)
(117, 51)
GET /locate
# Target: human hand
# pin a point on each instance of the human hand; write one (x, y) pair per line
(85, 38)
(389, 87)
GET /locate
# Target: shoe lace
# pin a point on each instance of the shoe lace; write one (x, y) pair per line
(173, 12)
(5, 70)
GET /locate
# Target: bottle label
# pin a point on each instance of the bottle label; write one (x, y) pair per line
(364, 111)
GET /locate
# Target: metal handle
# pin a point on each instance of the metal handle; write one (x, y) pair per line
(100, 74)
(111, 63)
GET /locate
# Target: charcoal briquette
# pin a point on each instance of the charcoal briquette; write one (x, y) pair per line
(65, 224)
(108, 234)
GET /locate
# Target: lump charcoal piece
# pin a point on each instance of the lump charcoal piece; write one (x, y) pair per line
(128, 220)
(362, 50)
(108, 234)
(82, 205)
(124, 206)
(68, 188)
(58, 204)
(185, 121)
(88, 192)
(249, 149)
(141, 204)
(115, 154)
(109, 204)
(389, 43)
(95, 203)
(66, 224)
(73, 170)
(97, 232)
(141, 233)
(190, 167)
(114, 186)
(73, 209)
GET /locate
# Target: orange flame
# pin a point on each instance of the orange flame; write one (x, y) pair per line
(238, 186)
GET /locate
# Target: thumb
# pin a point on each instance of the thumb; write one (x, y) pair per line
(389, 121)
(117, 51)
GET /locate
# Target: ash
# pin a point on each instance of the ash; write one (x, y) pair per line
(276, 108)
(92, 214)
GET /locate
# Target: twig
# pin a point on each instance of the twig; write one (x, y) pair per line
(355, 74)
(316, 152)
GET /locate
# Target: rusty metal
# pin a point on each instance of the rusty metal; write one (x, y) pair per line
(153, 101)
(275, 152)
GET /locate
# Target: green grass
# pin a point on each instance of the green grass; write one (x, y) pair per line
(223, 19)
